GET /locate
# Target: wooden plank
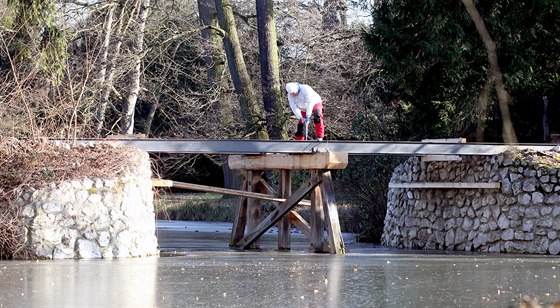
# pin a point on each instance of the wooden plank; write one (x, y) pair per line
(326, 160)
(317, 220)
(284, 227)
(331, 215)
(441, 158)
(273, 192)
(269, 189)
(300, 223)
(253, 205)
(280, 211)
(240, 221)
(126, 136)
(162, 183)
(226, 191)
(445, 140)
(446, 185)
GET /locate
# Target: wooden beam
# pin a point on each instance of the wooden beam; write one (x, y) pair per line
(441, 158)
(240, 221)
(253, 205)
(300, 223)
(449, 185)
(326, 160)
(273, 192)
(284, 227)
(226, 191)
(331, 215)
(445, 140)
(317, 243)
(280, 211)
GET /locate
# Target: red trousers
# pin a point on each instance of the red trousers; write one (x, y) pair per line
(317, 118)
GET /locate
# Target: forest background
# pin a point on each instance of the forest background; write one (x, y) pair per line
(216, 69)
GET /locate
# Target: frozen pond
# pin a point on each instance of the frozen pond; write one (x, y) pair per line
(211, 275)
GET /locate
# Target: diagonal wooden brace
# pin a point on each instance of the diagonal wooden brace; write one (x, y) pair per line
(280, 211)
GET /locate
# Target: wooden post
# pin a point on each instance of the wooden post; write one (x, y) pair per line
(280, 211)
(253, 205)
(240, 222)
(317, 220)
(324, 212)
(284, 190)
(331, 214)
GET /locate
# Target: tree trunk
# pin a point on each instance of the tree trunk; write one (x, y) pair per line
(215, 64)
(239, 75)
(270, 72)
(102, 76)
(109, 74)
(129, 105)
(215, 58)
(151, 113)
(508, 132)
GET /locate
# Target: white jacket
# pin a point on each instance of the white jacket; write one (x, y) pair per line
(305, 100)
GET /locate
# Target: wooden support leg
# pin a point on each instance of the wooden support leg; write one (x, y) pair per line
(317, 220)
(331, 214)
(253, 205)
(284, 190)
(240, 221)
(295, 219)
(280, 211)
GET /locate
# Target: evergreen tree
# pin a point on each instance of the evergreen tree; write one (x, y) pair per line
(437, 64)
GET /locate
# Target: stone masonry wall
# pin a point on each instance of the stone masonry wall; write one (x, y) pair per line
(93, 218)
(522, 216)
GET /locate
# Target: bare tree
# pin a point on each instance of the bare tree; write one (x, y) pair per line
(129, 105)
(105, 73)
(270, 70)
(244, 88)
(215, 65)
(215, 57)
(495, 73)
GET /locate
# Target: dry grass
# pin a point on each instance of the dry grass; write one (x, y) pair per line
(38, 163)
(195, 207)
(550, 159)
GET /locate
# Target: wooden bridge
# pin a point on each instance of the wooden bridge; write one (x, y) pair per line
(253, 157)
(247, 147)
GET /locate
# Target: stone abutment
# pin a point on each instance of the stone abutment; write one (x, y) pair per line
(92, 217)
(521, 216)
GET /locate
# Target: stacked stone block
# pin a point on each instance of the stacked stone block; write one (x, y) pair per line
(522, 216)
(92, 218)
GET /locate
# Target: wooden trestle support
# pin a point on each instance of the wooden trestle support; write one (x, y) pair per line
(248, 226)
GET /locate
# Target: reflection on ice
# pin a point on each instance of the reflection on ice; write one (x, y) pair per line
(272, 279)
(207, 273)
(79, 283)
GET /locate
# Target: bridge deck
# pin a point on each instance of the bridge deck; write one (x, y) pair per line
(302, 147)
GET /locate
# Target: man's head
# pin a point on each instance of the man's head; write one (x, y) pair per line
(292, 88)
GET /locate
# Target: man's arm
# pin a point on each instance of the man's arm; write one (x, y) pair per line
(294, 107)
